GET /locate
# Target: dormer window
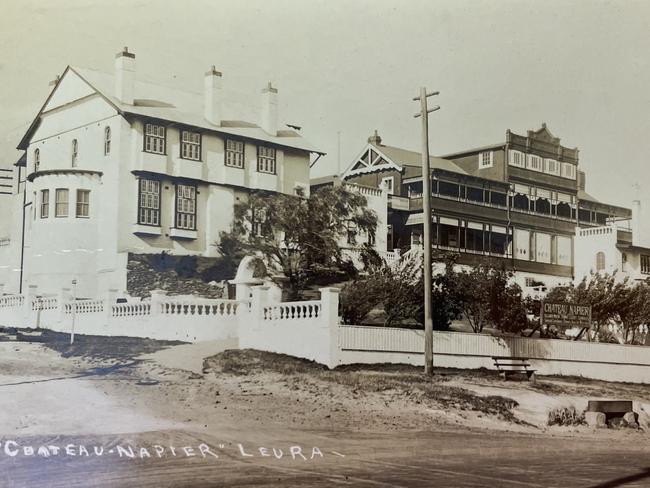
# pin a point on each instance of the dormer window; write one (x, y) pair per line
(485, 159)
(191, 145)
(75, 152)
(107, 141)
(154, 139)
(37, 159)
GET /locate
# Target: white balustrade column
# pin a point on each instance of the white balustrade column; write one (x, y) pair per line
(329, 298)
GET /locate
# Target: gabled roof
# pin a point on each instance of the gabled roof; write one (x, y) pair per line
(378, 157)
(179, 106)
(404, 157)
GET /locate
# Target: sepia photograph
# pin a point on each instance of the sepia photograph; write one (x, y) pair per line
(311, 243)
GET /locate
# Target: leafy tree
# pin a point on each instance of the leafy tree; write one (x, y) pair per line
(485, 294)
(360, 297)
(613, 303)
(298, 238)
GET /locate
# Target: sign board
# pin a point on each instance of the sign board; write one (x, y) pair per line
(565, 314)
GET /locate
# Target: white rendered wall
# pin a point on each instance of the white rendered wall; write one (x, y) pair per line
(588, 243)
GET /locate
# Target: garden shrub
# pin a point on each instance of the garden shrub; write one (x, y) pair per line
(566, 416)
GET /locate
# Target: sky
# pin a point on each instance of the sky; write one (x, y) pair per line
(346, 68)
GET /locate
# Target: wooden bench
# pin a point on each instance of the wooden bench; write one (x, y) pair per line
(508, 365)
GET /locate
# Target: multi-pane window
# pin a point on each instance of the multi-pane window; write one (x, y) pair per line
(234, 153)
(107, 141)
(266, 159)
(388, 183)
(61, 202)
(83, 203)
(259, 222)
(485, 159)
(149, 202)
(75, 152)
(535, 163)
(45, 204)
(551, 166)
(645, 264)
(185, 207)
(600, 261)
(154, 138)
(37, 159)
(190, 145)
(517, 158)
(568, 171)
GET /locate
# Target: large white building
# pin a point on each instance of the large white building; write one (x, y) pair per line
(114, 165)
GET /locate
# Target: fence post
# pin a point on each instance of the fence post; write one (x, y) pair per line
(157, 297)
(258, 302)
(109, 301)
(329, 298)
(64, 296)
(30, 293)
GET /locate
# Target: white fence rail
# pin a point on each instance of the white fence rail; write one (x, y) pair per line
(611, 362)
(311, 330)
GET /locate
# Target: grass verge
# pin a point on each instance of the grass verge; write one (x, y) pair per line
(401, 381)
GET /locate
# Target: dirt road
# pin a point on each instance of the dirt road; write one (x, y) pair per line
(252, 420)
(404, 459)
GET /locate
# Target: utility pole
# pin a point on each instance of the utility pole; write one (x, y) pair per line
(74, 310)
(426, 211)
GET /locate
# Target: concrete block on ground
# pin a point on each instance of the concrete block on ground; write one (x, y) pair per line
(631, 418)
(596, 419)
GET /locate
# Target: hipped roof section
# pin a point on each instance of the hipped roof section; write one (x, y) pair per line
(172, 105)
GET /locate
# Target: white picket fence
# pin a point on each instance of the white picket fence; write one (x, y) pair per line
(611, 362)
(312, 330)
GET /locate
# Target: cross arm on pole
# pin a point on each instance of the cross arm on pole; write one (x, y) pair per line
(430, 94)
(419, 114)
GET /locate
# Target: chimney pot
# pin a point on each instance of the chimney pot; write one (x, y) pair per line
(375, 139)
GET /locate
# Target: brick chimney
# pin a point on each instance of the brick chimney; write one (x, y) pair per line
(125, 76)
(375, 139)
(269, 115)
(212, 96)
